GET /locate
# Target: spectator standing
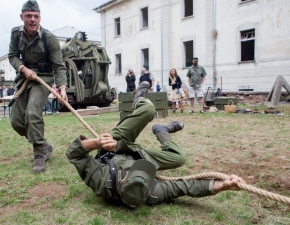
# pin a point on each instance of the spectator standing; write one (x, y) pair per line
(177, 93)
(1, 92)
(130, 79)
(158, 87)
(145, 76)
(48, 104)
(11, 90)
(196, 76)
(55, 100)
(4, 91)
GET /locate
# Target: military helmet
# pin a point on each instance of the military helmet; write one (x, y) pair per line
(138, 183)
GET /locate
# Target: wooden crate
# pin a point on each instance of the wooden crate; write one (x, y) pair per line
(126, 97)
(219, 102)
(159, 99)
(158, 114)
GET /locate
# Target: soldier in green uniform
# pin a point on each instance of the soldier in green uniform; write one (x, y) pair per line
(34, 51)
(123, 172)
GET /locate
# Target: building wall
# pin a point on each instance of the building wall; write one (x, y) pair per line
(9, 70)
(272, 43)
(132, 39)
(270, 19)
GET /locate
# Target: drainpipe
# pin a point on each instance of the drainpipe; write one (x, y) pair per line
(214, 35)
(161, 25)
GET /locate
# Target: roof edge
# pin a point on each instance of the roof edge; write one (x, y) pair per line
(103, 6)
(107, 5)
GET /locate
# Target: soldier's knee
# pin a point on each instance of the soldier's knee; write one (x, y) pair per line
(180, 160)
(32, 115)
(151, 110)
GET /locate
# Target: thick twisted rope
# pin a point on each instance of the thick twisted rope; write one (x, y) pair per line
(216, 175)
(242, 186)
(19, 92)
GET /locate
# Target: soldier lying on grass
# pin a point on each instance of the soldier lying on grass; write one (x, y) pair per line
(124, 172)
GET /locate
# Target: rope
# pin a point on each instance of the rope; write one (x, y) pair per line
(215, 175)
(77, 82)
(59, 97)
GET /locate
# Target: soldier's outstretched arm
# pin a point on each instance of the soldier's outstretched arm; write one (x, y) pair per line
(169, 190)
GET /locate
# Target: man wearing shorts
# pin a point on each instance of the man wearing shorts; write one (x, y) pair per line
(196, 76)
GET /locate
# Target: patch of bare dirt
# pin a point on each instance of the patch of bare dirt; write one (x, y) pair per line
(12, 158)
(49, 192)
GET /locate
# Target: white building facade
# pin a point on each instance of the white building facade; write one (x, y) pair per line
(242, 44)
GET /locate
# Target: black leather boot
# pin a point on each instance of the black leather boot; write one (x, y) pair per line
(141, 91)
(170, 128)
(162, 132)
(39, 164)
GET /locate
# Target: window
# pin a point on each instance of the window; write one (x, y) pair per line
(117, 27)
(247, 45)
(144, 17)
(188, 52)
(188, 8)
(145, 58)
(118, 64)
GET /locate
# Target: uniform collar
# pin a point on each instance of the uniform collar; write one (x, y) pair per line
(22, 29)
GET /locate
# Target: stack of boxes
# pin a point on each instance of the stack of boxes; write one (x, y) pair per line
(159, 99)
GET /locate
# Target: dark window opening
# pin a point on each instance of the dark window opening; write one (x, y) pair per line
(248, 45)
(117, 27)
(118, 64)
(188, 50)
(188, 8)
(145, 56)
(144, 17)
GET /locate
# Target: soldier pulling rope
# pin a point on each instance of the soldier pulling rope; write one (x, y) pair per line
(123, 172)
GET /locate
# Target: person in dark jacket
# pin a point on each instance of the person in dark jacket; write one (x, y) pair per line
(145, 76)
(11, 90)
(123, 172)
(130, 79)
(177, 93)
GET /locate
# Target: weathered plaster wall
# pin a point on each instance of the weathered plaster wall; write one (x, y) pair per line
(9, 70)
(272, 43)
(269, 18)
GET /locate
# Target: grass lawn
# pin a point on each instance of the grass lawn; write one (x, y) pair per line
(253, 146)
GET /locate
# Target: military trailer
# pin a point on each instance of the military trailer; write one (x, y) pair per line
(87, 77)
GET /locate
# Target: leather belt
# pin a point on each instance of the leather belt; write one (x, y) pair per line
(31, 66)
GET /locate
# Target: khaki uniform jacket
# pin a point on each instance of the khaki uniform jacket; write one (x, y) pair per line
(32, 51)
(97, 175)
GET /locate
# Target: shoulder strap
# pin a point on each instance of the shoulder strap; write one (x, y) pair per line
(44, 40)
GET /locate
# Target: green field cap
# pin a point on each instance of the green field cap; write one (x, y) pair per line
(135, 190)
(30, 5)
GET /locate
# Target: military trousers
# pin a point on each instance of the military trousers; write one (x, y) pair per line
(26, 113)
(171, 156)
